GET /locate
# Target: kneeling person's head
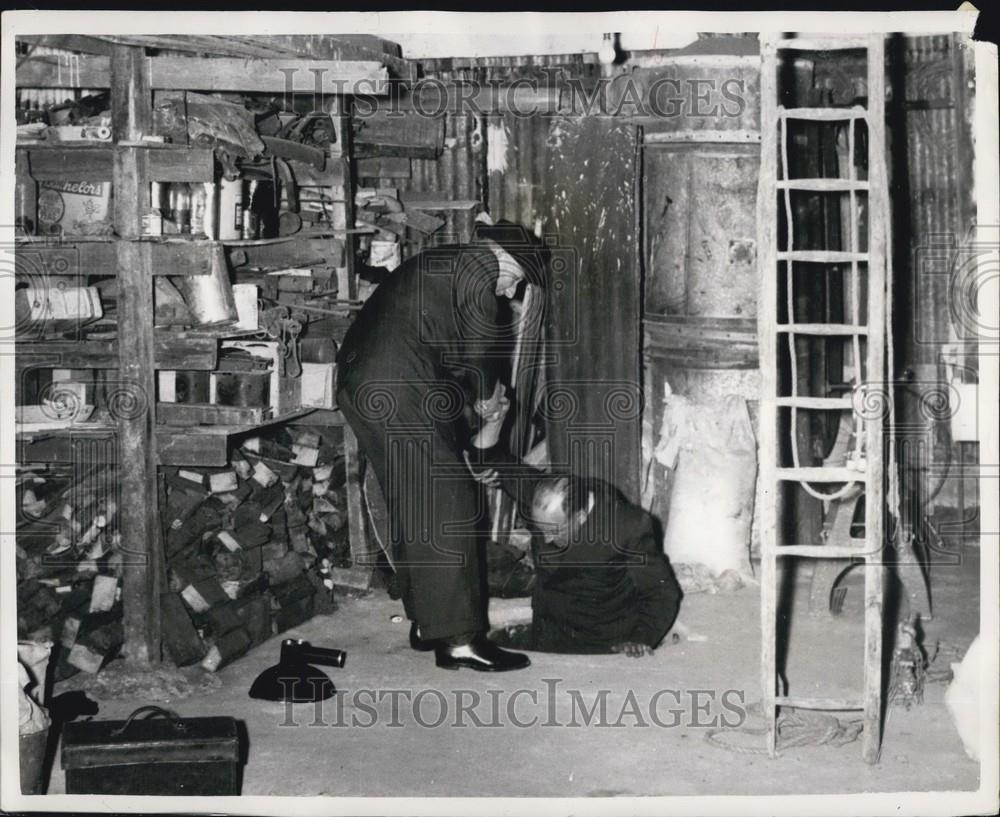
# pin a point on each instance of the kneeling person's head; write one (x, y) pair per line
(560, 507)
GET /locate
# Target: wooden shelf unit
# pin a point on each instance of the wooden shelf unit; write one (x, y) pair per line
(130, 163)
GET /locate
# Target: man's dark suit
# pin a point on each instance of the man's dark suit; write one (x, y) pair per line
(419, 354)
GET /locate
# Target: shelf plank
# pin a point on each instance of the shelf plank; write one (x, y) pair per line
(188, 446)
(215, 74)
(62, 445)
(198, 445)
(303, 251)
(208, 445)
(345, 47)
(194, 354)
(199, 414)
(69, 257)
(435, 201)
(320, 417)
(94, 163)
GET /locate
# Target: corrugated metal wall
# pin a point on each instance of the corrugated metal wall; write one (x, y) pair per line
(935, 171)
(512, 190)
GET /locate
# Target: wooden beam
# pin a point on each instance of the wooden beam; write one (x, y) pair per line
(879, 249)
(99, 258)
(194, 43)
(344, 47)
(174, 446)
(191, 446)
(299, 252)
(71, 42)
(421, 200)
(265, 76)
(342, 193)
(361, 556)
(131, 115)
(83, 163)
(331, 418)
(187, 414)
(767, 268)
(429, 98)
(373, 151)
(57, 71)
(396, 129)
(61, 446)
(192, 354)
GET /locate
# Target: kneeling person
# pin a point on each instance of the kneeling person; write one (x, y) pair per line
(603, 583)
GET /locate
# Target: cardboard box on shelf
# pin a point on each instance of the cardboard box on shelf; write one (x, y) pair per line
(74, 208)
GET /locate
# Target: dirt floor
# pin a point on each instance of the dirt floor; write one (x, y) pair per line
(526, 733)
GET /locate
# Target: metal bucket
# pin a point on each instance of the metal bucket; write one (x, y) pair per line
(32, 753)
(210, 297)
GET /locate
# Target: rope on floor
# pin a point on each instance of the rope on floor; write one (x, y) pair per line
(795, 728)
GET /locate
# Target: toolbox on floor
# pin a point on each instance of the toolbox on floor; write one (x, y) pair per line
(160, 755)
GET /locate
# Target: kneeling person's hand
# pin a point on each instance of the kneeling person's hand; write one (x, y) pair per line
(632, 649)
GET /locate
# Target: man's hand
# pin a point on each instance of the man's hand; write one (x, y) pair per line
(632, 649)
(489, 477)
(495, 407)
(493, 413)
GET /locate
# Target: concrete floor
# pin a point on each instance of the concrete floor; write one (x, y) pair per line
(921, 750)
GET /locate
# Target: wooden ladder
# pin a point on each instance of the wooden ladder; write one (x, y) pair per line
(779, 260)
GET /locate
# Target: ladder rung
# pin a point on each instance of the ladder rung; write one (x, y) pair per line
(822, 43)
(822, 256)
(823, 403)
(823, 114)
(820, 475)
(820, 551)
(822, 328)
(822, 185)
(818, 703)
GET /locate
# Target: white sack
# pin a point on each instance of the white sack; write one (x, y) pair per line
(712, 453)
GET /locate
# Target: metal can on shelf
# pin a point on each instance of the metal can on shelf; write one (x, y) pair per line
(230, 219)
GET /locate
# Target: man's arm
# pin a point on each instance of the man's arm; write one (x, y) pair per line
(657, 591)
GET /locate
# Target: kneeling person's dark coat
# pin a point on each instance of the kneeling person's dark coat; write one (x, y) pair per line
(612, 585)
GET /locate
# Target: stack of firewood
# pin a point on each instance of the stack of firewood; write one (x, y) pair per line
(249, 550)
(249, 547)
(69, 564)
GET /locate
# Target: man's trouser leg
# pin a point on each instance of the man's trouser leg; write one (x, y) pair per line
(434, 513)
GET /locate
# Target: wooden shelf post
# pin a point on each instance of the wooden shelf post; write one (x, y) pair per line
(131, 111)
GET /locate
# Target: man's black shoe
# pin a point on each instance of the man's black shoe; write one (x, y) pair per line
(416, 642)
(479, 654)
